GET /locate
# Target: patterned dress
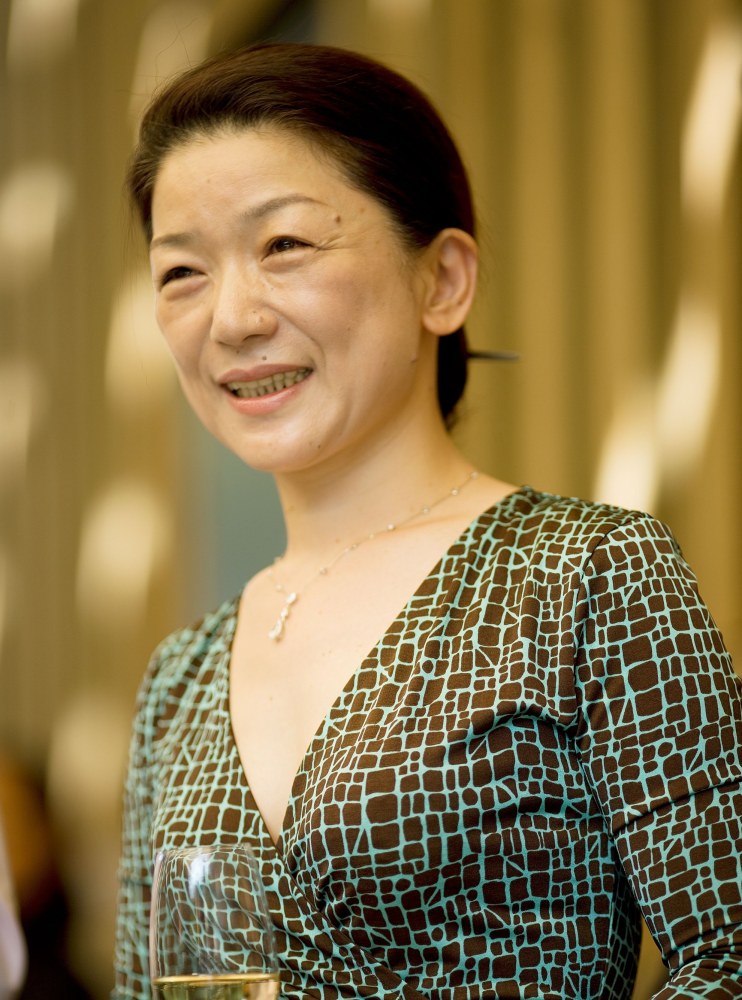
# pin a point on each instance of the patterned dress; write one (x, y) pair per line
(546, 740)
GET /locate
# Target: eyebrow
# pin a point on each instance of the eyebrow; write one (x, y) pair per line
(251, 215)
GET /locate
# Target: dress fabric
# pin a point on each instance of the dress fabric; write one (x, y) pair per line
(545, 740)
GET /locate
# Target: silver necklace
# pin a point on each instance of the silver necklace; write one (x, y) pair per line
(290, 598)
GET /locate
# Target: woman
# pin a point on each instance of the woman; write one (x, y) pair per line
(546, 737)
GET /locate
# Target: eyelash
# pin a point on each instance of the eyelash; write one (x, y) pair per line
(274, 245)
(174, 274)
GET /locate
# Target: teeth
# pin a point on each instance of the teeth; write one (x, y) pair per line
(264, 386)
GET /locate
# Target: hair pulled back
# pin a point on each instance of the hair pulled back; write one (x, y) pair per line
(379, 129)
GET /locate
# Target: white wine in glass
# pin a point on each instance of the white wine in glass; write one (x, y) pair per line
(250, 986)
(211, 936)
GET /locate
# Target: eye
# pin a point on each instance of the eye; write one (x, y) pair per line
(281, 244)
(175, 274)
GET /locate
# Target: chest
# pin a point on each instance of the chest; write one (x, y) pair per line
(282, 690)
(438, 773)
(419, 738)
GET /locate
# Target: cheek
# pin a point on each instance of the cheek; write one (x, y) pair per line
(351, 314)
(200, 403)
(180, 335)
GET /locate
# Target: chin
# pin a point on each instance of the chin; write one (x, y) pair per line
(275, 457)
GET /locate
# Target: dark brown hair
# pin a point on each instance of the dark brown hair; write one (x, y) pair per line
(381, 131)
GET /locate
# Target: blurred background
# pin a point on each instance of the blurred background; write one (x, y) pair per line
(603, 140)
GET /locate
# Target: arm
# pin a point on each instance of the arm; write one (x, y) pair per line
(661, 737)
(135, 866)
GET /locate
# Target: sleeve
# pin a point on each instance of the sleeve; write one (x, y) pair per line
(660, 734)
(131, 962)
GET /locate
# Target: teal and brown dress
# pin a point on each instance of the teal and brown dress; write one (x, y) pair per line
(544, 743)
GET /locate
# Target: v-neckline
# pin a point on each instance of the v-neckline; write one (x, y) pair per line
(495, 512)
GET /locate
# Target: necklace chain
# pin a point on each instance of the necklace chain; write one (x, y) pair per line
(291, 597)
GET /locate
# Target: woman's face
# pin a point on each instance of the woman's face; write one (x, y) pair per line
(294, 316)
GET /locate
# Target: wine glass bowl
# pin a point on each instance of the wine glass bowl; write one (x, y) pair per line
(211, 935)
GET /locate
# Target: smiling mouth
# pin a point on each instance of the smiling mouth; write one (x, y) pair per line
(265, 386)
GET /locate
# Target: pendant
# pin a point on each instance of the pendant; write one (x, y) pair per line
(276, 633)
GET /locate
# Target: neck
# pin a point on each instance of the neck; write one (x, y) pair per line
(336, 505)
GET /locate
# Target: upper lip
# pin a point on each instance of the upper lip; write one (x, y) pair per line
(258, 372)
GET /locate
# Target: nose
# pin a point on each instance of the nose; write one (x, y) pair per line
(240, 308)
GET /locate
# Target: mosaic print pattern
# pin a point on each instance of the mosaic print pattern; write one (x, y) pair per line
(209, 916)
(547, 736)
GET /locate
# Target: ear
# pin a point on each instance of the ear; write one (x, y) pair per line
(451, 281)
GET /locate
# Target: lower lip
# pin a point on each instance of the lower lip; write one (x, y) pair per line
(261, 405)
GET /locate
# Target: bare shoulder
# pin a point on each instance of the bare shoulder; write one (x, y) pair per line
(485, 492)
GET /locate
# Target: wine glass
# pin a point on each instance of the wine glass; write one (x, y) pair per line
(211, 935)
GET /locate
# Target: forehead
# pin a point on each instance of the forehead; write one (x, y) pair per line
(259, 153)
(228, 173)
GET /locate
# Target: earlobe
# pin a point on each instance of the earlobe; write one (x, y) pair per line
(452, 261)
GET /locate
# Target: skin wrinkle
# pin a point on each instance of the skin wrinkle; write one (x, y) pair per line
(367, 233)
